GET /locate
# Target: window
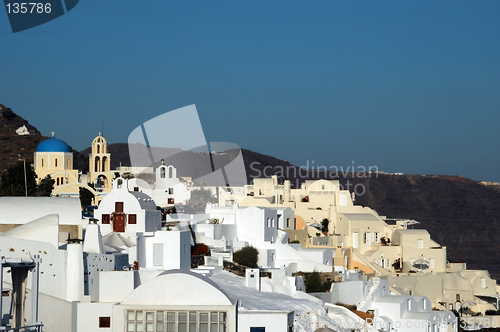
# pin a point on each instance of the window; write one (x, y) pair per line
(176, 321)
(118, 206)
(376, 236)
(257, 329)
(420, 244)
(408, 304)
(355, 240)
(162, 173)
(367, 239)
(132, 218)
(96, 164)
(431, 263)
(170, 191)
(157, 254)
(288, 223)
(136, 188)
(171, 201)
(104, 322)
(106, 218)
(170, 172)
(272, 222)
(483, 282)
(42, 162)
(55, 162)
(268, 222)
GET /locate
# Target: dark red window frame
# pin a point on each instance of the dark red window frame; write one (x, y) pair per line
(106, 218)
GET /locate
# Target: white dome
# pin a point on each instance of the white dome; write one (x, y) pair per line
(178, 287)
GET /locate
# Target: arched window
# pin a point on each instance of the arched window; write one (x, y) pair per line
(55, 162)
(104, 159)
(42, 162)
(97, 164)
(170, 172)
(57, 181)
(98, 148)
(162, 172)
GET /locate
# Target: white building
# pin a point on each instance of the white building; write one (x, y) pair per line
(61, 270)
(409, 313)
(164, 250)
(174, 300)
(167, 189)
(234, 227)
(127, 212)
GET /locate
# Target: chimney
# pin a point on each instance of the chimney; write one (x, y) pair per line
(252, 278)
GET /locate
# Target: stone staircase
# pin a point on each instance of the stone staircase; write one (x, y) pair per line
(375, 283)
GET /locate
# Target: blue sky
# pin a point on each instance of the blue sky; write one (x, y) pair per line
(407, 86)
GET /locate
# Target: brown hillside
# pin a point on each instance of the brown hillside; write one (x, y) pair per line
(13, 146)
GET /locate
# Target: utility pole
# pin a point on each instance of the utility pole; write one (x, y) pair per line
(25, 180)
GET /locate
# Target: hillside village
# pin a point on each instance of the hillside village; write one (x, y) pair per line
(128, 269)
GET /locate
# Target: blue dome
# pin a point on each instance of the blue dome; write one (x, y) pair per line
(53, 145)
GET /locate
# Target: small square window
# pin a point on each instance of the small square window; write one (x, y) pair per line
(106, 218)
(118, 206)
(132, 219)
(171, 201)
(104, 322)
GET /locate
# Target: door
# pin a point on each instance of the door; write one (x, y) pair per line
(355, 240)
(119, 223)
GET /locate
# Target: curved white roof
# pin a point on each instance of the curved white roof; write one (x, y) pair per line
(178, 288)
(44, 229)
(134, 200)
(21, 210)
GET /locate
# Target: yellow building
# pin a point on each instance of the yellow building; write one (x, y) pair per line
(54, 157)
(99, 166)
